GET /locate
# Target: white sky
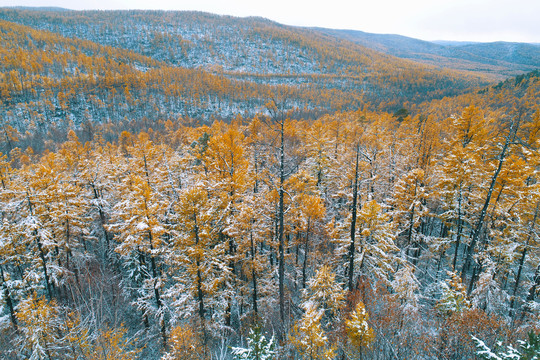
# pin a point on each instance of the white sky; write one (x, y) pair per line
(464, 20)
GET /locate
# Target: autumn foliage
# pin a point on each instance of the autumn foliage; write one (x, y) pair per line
(130, 229)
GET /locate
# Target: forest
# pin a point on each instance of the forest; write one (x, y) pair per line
(156, 208)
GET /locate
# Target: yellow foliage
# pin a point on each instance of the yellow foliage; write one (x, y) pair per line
(78, 336)
(112, 344)
(309, 338)
(38, 318)
(324, 290)
(358, 330)
(454, 297)
(185, 344)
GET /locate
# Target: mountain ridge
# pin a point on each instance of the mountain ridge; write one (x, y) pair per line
(491, 58)
(255, 46)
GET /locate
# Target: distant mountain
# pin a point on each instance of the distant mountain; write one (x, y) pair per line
(453, 43)
(510, 52)
(498, 60)
(39, 8)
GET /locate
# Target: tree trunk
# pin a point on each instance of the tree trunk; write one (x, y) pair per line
(459, 230)
(352, 245)
(102, 219)
(411, 223)
(253, 275)
(40, 249)
(522, 260)
(476, 232)
(44, 264)
(200, 296)
(532, 291)
(9, 302)
(232, 269)
(156, 290)
(281, 269)
(306, 252)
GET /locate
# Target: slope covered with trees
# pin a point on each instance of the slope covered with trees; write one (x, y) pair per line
(49, 83)
(257, 49)
(298, 222)
(197, 234)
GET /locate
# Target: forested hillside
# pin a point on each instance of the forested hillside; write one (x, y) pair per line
(49, 82)
(161, 198)
(256, 49)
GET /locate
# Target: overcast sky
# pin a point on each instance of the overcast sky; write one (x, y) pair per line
(464, 20)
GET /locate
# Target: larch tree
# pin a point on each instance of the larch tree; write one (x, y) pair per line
(306, 213)
(282, 128)
(138, 221)
(198, 259)
(359, 333)
(501, 150)
(325, 292)
(309, 338)
(409, 211)
(228, 181)
(461, 173)
(41, 328)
